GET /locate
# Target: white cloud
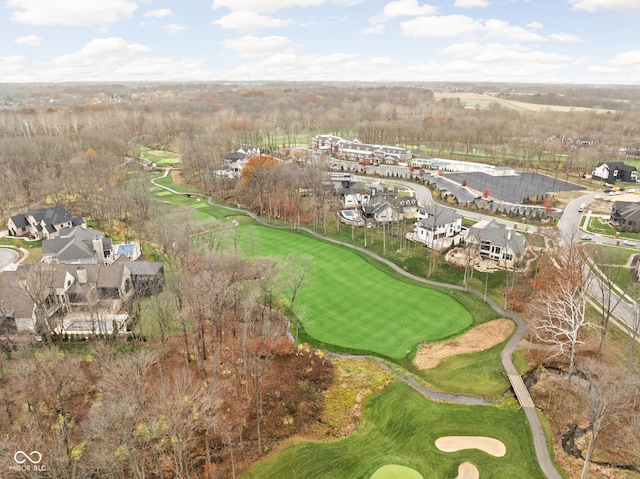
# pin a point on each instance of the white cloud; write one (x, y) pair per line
(626, 58)
(401, 8)
(249, 22)
(463, 70)
(535, 25)
(597, 69)
(256, 47)
(31, 40)
(621, 6)
(71, 12)
(174, 28)
(110, 47)
(502, 52)
(11, 62)
(139, 69)
(470, 3)
(162, 69)
(449, 26)
(473, 49)
(104, 51)
(565, 37)
(374, 30)
(264, 6)
(301, 67)
(347, 3)
(163, 12)
(407, 8)
(501, 29)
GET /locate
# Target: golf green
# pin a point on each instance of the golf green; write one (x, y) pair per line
(400, 427)
(353, 305)
(395, 471)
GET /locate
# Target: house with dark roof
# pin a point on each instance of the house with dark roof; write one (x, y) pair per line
(77, 245)
(236, 159)
(615, 171)
(492, 240)
(434, 224)
(43, 223)
(147, 276)
(625, 215)
(73, 298)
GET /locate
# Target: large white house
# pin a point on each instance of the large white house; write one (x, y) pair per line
(493, 240)
(435, 223)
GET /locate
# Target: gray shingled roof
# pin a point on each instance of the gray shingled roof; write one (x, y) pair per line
(496, 233)
(145, 268)
(73, 244)
(439, 214)
(20, 221)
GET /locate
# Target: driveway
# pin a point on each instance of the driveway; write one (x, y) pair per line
(7, 257)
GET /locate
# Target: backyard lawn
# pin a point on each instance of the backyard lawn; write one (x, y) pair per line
(400, 427)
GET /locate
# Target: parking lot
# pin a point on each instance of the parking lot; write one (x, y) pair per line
(513, 189)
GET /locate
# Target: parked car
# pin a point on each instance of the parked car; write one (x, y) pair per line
(586, 237)
(628, 243)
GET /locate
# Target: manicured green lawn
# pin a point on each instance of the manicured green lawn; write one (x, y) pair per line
(168, 181)
(400, 427)
(477, 374)
(610, 254)
(161, 158)
(355, 306)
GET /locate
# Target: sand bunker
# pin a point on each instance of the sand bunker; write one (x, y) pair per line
(466, 470)
(477, 339)
(458, 443)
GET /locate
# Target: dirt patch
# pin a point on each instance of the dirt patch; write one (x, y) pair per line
(177, 177)
(478, 339)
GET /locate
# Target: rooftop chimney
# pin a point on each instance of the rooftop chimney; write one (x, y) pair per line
(81, 273)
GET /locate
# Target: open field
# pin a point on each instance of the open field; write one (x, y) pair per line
(483, 100)
(401, 427)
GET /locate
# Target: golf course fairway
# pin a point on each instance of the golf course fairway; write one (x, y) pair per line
(351, 304)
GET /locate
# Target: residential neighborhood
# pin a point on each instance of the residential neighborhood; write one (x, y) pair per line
(82, 285)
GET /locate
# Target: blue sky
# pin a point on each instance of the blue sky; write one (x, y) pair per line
(541, 41)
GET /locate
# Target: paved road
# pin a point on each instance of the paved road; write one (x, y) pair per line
(7, 257)
(570, 233)
(538, 433)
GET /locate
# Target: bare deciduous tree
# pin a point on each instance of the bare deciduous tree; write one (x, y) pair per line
(610, 394)
(562, 287)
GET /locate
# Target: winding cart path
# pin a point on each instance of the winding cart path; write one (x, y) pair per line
(517, 384)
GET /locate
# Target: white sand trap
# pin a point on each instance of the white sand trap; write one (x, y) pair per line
(466, 470)
(458, 443)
